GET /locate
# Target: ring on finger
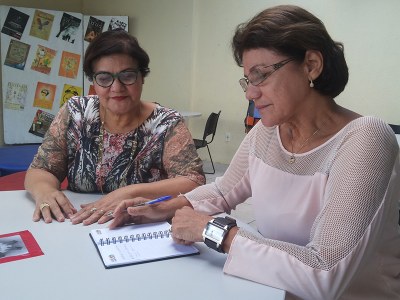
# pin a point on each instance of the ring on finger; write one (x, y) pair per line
(101, 212)
(43, 205)
(93, 209)
(110, 213)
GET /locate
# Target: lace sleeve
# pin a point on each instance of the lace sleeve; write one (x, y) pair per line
(227, 191)
(180, 157)
(52, 153)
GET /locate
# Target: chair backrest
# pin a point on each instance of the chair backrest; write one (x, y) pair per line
(396, 128)
(211, 126)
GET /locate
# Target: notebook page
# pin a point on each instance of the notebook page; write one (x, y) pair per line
(137, 243)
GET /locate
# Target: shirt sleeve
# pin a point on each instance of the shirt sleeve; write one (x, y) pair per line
(227, 191)
(180, 157)
(52, 153)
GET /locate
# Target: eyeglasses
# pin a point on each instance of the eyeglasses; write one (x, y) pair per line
(258, 75)
(106, 79)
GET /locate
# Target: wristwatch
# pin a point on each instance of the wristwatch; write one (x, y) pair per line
(216, 230)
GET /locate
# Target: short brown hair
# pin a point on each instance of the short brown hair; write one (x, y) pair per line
(116, 41)
(291, 30)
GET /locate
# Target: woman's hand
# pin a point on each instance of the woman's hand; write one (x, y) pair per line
(44, 187)
(188, 225)
(53, 204)
(100, 211)
(163, 211)
(125, 213)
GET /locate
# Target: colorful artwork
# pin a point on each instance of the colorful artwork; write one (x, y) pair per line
(15, 23)
(18, 245)
(41, 123)
(69, 65)
(94, 28)
(16, 96)
(43, 59)
(69, 26)
(17, 54)
(68, 92)
(41, 25)
(44, 95)
(115, 23)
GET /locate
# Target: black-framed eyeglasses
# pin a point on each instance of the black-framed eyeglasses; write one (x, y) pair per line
(261, 73)
(106, 79)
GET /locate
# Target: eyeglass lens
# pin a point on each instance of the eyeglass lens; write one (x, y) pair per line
(257, 76)
(106, 79)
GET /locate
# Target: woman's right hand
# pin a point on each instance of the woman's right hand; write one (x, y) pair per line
(125, 213)
(53, 204)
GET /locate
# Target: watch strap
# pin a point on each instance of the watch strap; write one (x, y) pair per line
(213, 245)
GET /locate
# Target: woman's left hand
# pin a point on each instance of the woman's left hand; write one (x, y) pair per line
(100, 211)
(188, 225)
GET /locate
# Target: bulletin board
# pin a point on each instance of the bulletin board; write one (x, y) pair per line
(41, 63)
(41, 56)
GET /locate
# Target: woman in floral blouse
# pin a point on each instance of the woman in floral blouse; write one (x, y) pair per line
(113, 142)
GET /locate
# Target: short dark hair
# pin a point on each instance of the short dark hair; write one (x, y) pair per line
(291, 30)
(116, 41)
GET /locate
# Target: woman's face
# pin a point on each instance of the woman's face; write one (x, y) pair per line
(118, 98)
(280, 96)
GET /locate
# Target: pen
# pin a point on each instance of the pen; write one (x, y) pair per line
(161, 199)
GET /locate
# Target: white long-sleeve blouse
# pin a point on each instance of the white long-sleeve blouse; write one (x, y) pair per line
(329, 221)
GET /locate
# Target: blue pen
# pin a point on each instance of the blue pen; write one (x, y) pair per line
(161, 199)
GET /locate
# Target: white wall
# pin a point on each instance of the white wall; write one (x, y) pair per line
(192, 66)
(164, 29)
(369, 30)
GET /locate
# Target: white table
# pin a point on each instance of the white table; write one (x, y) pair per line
(72, 269)
(398, 138)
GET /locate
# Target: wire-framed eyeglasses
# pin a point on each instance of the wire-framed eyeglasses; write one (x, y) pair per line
(261, 73)
(106, 79)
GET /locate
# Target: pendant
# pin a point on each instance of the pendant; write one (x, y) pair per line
(292, 159)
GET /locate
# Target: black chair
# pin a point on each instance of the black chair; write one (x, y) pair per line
(396, 128)
(210, 129)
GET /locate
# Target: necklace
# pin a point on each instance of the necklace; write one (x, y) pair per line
(292, 158)
(123, 181)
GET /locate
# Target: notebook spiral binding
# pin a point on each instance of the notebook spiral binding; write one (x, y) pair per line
(138, 237)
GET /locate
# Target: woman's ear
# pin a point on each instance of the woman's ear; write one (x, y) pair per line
(314, 64)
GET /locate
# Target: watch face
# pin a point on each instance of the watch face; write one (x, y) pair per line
(214, 233)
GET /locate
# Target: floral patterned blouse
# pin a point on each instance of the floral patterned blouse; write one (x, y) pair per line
(160, 148)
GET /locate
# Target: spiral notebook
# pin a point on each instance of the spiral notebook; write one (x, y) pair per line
(136, 244)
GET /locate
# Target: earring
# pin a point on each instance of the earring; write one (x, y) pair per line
(311, 83)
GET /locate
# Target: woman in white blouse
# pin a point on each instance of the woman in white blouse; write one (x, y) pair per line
(324, 180)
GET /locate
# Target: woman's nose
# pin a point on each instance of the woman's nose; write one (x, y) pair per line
(117, 85)
(253, 92)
